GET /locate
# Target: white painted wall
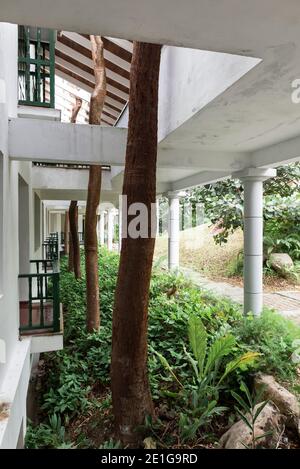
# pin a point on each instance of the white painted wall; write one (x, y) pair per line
(15, 371)
(9, 235)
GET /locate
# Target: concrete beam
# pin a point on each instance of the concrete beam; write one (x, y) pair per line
(201, 178)
(60, 194)
(281, 153)
(204, 160)
(66, 179)
(56, 142)
(40, 140)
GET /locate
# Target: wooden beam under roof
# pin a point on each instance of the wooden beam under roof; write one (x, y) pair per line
(113, 48)
(109, 115)
(87, 53)
(87, 69)
(88, 83)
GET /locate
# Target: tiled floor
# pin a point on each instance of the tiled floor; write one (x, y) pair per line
(36, 312)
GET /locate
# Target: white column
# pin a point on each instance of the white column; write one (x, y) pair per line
(252, 179)
(110, 228)
(101, 228)
(57, 228)
(80, 223)
(157, 216)
(120, 228)
(173, 230)
(98, 228)
(45, 222)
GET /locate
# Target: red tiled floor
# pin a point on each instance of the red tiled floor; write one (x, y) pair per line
(24, 314)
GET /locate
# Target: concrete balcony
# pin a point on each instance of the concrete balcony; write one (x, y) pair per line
(40, 309)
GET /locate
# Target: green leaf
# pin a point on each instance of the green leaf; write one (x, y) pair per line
(241, 401)
(245, 359)
(245, 389)
(198, 341)
(259, 410)
(167, 366)
(192, 361)
(268, 433)
(244, 418)
(220, 348)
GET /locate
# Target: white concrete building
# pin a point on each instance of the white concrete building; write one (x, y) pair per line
(228, 106)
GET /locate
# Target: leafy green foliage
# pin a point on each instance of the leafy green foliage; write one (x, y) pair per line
(48, 435)
(76, 384)
(282, 225)
(111, 444)
(250, 409)
(201, 395)
(273, 336)
(223, 202)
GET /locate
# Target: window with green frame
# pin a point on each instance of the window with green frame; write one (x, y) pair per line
(36, 66)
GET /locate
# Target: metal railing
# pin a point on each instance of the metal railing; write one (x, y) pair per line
(50, 247)
(42, 309)
(80, 237)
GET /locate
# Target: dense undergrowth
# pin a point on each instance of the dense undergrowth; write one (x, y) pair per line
(192, 408)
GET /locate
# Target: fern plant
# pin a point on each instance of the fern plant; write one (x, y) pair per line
(208, 363)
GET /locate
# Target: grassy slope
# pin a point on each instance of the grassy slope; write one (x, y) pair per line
(199, 252)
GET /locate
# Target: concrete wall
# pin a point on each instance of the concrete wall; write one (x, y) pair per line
(15, 363)
(9, 235)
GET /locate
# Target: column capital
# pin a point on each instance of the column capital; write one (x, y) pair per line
(255, 174)
(112, 211)
(176, 194)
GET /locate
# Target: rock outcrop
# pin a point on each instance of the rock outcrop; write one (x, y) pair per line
(269, 423)
(286, 402)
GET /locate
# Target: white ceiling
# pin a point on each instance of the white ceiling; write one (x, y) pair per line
(252, 113)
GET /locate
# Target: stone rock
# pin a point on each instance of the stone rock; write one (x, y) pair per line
(281, 262)
(286, 402)
(239, 435)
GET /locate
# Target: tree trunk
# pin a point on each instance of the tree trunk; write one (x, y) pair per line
(71, 250)
(74, 242)
(93, 198)
(73, 219)
(130, 388)
(66, 235)
(76, 109)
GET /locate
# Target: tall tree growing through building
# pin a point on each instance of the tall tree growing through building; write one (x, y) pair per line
(130, 388)
(93, 198)
(74, 249)
(74, 245)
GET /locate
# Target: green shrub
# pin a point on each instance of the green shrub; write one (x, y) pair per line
(77, 374)
(272, 335)
(211, 366)
(48, 435)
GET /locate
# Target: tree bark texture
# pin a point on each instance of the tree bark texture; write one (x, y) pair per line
(74, 242)
(73, 220)
(93, 198)
(130, 388)
(66, 234)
